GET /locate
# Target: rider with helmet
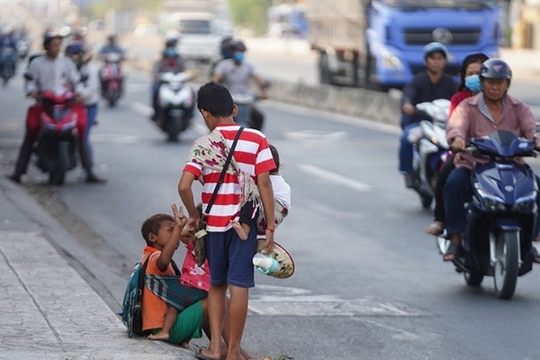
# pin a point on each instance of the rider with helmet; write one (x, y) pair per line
(490, 110)
(469, 86)
(235, 74)
(226, 51)
(170, 61)
(48, 72)
(89, 91)
(431, 84)
(111, 47)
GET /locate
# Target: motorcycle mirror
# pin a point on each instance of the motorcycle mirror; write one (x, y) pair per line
(28, 76)
(84, 78)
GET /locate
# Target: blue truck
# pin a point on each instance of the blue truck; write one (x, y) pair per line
(378, 44)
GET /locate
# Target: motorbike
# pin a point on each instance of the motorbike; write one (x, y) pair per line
(8, 62)
(23, 46)
(112, 78)
(249, 114)
(501, 216)
(175, 103)
(57, 144)
(430, 148)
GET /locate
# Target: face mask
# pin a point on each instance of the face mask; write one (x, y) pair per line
(473, 83)
(238, 57)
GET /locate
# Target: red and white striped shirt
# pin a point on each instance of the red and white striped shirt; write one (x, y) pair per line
(252, 156)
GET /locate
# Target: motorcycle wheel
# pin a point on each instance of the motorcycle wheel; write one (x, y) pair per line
(113, 97)
(506, 267)
(173, 129)
(473, 279)
(58, 174)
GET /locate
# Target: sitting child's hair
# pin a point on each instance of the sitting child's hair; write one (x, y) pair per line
(153, 224)
(275, 155)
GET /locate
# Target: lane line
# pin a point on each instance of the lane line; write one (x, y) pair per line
(330, 176)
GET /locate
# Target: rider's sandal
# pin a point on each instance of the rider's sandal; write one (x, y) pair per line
(434, 229)
(452, 253)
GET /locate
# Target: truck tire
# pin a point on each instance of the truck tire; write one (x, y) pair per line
(325, 78)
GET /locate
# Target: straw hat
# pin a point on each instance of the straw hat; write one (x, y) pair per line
(283, 257)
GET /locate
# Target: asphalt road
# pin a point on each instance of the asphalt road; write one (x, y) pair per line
(369, 283)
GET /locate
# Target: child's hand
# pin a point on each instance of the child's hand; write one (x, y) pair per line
(178, 214)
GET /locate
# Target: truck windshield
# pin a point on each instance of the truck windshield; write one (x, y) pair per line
(443, 4)
(195, 27)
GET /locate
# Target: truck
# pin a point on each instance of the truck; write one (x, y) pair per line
(201, 24)
(377, 44)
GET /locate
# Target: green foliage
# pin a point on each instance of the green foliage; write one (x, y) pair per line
(250, 13)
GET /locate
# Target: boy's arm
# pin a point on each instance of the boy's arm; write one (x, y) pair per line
(186, 194)
(168, 250)
(267, 198)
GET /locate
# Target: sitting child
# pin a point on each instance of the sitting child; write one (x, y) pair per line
(282, 205)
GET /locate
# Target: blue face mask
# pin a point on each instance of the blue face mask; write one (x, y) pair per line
(238, 57)
(473, 83)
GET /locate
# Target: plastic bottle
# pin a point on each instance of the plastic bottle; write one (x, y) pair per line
(265, 264)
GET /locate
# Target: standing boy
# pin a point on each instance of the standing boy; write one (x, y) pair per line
(229, 257)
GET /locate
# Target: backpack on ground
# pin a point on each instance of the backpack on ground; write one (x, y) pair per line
(131, 305)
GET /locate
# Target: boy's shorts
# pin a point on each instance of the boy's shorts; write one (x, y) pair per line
(188, 324)
(230, 258)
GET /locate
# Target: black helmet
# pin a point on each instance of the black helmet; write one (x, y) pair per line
(239, 46)
(495, 69)
(434, 47)
(472, 58)
(50, 36)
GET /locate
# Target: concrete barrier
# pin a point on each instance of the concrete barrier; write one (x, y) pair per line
(362, 103)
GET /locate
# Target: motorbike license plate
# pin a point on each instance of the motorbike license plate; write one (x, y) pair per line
(176, 112)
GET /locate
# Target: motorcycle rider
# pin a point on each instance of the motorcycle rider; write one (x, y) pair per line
(170, 61)
(49, 72)
(111, 47)
(431, 84)
(235, 74)
(226, 52)
(8, 42)
(490, 110)
(469, 86)
(89, 92)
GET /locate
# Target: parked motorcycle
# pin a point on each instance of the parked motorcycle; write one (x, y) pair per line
(112, 78)
(430, 148)
(501, 216)
(8, 63)
(175, 102)
(58, 142)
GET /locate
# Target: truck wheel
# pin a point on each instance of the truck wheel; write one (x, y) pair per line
(325, 77)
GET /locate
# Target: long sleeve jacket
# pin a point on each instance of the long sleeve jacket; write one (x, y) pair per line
(470, 119)
(49, 74)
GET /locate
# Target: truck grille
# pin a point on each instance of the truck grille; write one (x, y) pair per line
(462, 36)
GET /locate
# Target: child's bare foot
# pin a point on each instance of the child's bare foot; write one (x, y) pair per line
(162, 335)
(239, 230)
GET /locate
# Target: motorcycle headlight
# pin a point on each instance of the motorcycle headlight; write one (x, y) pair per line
(525, 204)
(491, 202)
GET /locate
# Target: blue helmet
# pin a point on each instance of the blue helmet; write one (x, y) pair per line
(75, 48)
(434, 47)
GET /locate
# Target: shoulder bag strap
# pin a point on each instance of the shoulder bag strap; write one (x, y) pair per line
(222, 176)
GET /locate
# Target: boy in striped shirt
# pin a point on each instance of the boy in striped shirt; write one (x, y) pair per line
(229, 257)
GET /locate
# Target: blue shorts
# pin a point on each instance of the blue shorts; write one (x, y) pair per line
(230, 258)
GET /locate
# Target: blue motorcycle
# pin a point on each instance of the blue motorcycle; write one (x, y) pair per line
(501, 216)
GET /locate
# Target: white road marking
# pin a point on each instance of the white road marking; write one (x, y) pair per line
(339, 179)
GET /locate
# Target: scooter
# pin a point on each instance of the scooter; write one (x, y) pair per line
(501, 216)
(175, 102)
(57, 144)
(8, 63)
(430, 148)
(112, 78)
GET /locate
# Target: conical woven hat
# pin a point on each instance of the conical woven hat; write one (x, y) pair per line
(285, 260)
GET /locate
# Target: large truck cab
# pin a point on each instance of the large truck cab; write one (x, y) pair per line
(399, 29)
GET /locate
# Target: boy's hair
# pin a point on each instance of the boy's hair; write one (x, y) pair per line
(215, 99)
(152, 226)
(275, 155)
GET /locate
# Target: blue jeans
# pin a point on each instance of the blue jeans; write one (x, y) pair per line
(406, 150)
(91, 113)
(458, 191)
